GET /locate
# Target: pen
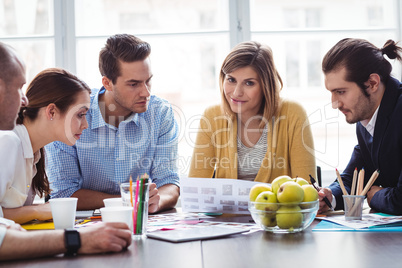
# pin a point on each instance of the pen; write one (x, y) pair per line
(313, 182)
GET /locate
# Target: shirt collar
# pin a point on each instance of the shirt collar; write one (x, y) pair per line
(371, 124)
(23, 134)
(97, 118)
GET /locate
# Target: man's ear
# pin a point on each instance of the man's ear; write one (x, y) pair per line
(373, 83)
(107, 83)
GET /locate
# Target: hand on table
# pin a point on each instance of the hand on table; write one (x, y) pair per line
(373, 190)
(43, 212)
(324, 192)
(154, 198)
(104, 237)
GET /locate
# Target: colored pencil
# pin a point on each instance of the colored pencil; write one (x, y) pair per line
(352, 191)
(360, 182)
(135, 209)
(373, 177)
(140, 204)
(131, 191)
(341, 182)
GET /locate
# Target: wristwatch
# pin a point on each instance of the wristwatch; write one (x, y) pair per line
(72, 241)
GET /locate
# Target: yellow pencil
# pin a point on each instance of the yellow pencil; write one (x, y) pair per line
(131, 191)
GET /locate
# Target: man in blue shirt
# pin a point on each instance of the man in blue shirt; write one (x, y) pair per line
(130, 133)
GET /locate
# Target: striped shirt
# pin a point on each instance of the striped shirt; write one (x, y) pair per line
(250, 158)
(106, 156)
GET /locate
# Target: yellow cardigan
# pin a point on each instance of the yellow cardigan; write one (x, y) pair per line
(290, 145)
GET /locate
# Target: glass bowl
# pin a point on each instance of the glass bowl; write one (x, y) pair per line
(283, 217)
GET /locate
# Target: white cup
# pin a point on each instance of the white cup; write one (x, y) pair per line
(118, 214)
(63, 212)
(113, 202)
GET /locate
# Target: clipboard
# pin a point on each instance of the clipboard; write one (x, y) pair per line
(197, 233)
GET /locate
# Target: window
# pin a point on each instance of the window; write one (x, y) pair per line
(300, 33)
(190, 39)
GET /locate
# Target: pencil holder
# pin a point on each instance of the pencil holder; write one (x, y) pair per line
(353, 205)
(136, 195)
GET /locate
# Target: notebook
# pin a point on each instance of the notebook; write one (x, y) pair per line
(198, 233)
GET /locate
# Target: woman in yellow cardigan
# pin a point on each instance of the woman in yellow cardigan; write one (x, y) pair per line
(254, 135)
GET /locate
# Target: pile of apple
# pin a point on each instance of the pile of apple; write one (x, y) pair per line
(281, 201)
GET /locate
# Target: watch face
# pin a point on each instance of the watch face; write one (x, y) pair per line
(72, 241)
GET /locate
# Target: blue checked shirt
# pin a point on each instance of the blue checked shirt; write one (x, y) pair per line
(106, 156)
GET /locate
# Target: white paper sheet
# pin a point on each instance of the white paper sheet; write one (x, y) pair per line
(215, 195)
(367, 221)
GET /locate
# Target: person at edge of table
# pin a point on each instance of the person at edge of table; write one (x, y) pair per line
(359, 78)
(57, 104)
(130, 133)
(15, 242)
(254, 134)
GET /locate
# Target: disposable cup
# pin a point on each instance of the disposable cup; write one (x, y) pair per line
(353, 205)
(118, 214)
(63, 212)
(113, 202)
(139, 201)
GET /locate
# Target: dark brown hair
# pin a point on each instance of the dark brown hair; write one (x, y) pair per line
(56, 86)
(260, 58)
(361, 59)
(121, 47)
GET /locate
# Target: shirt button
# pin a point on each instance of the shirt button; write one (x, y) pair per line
(117, 159)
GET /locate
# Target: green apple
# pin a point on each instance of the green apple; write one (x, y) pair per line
(257, 189)
(268, 220)
(288, 217)
(266, 201)
(301, 181)
(310, 193)
(290, 192)
(277, 182)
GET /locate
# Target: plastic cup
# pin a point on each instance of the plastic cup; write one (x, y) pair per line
(113, 202)
(118, 214)
(63, 212)
(140, 201)
(353, 205)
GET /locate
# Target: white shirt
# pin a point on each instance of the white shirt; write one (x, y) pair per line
(371, 124)
(17, 168)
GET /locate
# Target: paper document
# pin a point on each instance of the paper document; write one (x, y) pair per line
(215, 195)
(368, 220)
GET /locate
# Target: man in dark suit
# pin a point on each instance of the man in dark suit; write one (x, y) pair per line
(358, 76)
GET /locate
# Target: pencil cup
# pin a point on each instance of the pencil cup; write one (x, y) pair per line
(353, 206)
(63, 212)
(118, 214)
(137, 197)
